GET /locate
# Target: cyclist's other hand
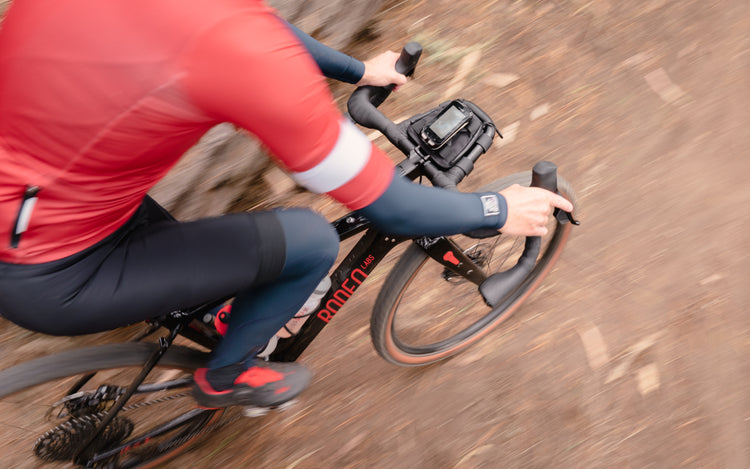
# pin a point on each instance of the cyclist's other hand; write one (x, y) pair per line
(381, 71)
(529, 209)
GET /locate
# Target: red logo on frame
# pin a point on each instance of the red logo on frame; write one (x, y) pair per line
(450, 257)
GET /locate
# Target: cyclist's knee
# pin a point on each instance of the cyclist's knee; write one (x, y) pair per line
(311, 242)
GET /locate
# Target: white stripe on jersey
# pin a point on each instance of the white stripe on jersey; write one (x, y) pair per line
(349, 156)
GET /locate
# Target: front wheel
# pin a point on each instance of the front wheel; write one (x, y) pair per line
(49, 406)
(425, 312)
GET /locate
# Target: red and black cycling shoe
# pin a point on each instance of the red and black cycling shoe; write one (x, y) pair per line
(263, 384)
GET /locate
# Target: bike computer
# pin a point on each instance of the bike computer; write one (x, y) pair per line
(450, 120)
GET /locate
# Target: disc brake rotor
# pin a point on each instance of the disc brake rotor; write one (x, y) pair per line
(480, 254)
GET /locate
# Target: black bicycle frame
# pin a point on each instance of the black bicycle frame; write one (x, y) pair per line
(357, 266)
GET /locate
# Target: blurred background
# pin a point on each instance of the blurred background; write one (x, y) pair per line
(634, 353)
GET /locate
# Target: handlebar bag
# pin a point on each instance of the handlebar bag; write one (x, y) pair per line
(459, 145)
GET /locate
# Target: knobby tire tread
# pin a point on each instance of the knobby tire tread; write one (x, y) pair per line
(89, 359)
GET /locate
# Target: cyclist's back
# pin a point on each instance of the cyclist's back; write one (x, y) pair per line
(99, 107)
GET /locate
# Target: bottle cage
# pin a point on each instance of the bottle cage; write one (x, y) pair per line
(459, 144)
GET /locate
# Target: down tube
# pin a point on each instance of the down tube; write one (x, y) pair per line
(345, 280)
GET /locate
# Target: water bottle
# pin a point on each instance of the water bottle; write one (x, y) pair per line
(295, 324)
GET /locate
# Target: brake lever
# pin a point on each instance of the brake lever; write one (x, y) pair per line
(564, 217)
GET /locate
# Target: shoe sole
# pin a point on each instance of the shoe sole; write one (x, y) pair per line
(263, 398)
(252, 411)
(217, 401)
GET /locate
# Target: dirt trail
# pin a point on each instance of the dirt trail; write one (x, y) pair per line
(634, 352)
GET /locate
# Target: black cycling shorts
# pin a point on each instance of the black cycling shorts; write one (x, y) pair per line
(150, 266)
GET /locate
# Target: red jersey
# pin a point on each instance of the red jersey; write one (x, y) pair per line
(99, 99)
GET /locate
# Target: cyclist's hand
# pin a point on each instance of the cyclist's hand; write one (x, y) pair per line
(381, 71)
(529, 209)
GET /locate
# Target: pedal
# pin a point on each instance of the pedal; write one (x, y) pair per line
(255, 411)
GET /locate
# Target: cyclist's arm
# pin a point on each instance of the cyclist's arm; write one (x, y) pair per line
(377, 71)
(281, 97)
(332, 63)
(251, 70)
(411, 209)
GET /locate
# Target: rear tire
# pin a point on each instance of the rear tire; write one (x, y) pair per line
(33, 431)
(424, 314)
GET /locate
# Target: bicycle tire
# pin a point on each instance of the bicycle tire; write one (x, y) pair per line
(413, 300)
(28, 399)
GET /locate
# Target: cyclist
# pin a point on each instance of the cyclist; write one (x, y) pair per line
(98, 100)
